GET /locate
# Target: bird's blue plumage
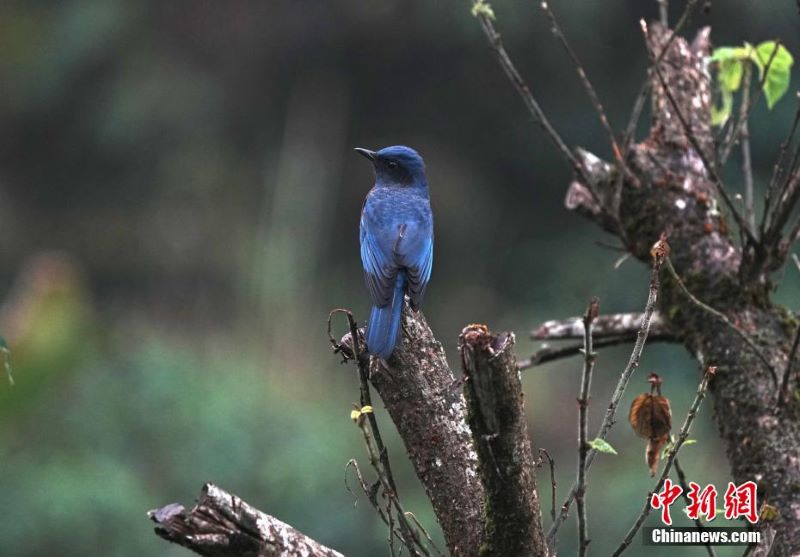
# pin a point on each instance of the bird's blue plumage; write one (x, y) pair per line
(396, 242)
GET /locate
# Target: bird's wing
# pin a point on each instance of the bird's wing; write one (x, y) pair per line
(419, 263)
(380, 268)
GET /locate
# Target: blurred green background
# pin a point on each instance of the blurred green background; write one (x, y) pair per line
(178, 213)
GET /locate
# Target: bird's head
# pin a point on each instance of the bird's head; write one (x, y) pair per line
(397, 165)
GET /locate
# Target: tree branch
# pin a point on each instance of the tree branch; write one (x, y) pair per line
(589, 358)
(605, 326)
(222, 525)
(500, 433)
(425, 403)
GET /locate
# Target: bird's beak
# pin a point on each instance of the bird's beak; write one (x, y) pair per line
(365, 153)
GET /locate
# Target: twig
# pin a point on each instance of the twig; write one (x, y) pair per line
(616, 397)
(641, 98)
(685, 486)
(747, 165)
(779, 164)
(589, 358)
(663, 12)
(673, 453)
(542, 455)
(427, 534)
(725, 148)
(721, 316)
(589, 89)
(783, 397)
(549, 354)
(690, 135)
(539, 117)
(409, 537)
(370, 492)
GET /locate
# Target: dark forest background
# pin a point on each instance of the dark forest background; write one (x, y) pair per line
(179, 206)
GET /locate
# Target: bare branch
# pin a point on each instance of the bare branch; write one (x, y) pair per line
(542, 455)
(616, 397)
(548, 354)
(779, 169)
(500, 433)
(590, 91)
(605, 326)
(722, 317)
(589, 358)
(222, 525)
(673, 453)
(685, 486)
(747, 164)
(530, 101)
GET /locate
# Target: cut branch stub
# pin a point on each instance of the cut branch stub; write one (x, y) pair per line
(500, 433)
(222, 525)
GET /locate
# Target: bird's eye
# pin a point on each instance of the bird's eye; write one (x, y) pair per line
(391, 164)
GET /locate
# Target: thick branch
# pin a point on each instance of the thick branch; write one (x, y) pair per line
(507, 466)
(425, 402)
(222, 525)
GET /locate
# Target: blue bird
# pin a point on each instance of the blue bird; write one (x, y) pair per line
(396, 241)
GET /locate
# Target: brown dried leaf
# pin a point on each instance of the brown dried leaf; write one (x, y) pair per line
(653, 452)
(650, 416)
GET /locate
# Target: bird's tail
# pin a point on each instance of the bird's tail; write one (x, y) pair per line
(384, 322)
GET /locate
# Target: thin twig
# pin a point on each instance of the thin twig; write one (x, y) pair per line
(779, 166)
(549, 354)
(690, 135)
(589, 89)
(616, 397)
(783, 397)
(539, 117)
(410, 535)
(673, 453)
(641, 98)
(722, 317)
(725, 148)
(663, 12)
(747, 164)
(685, 486)
(542, 455)
(424, 531)
(589, 359)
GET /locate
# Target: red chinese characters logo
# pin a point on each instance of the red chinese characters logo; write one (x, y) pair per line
(664, 499)
(740, 501)
(701, 503)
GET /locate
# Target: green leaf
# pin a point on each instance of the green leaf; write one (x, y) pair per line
(602, 446)
(721, 113)
(780, 70)
(729, 75)
(481, 8)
